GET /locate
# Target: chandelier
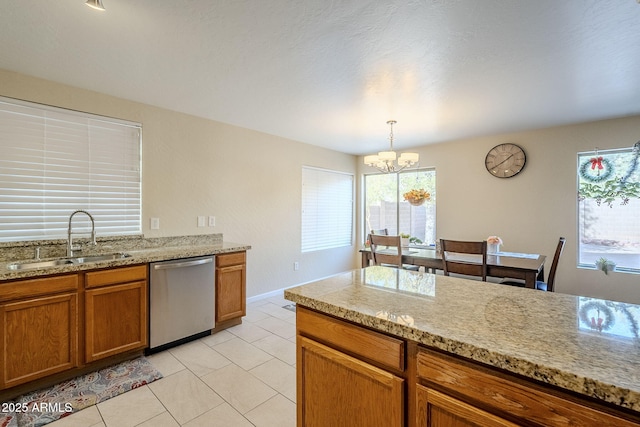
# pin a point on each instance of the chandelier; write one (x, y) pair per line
(385, 161)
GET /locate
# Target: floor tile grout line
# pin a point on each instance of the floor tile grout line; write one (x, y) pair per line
(223, 400)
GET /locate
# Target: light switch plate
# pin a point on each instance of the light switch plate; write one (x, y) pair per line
(155, 223)
(212, 221)
(201, 221)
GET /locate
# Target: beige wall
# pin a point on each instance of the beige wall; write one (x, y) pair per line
(250, 181)
(533, 209)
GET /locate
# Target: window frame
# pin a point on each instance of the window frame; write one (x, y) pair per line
(399, 199)
(61, 163)
(582, 208)
(309, 243)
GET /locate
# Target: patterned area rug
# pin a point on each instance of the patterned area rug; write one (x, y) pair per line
(44, 406)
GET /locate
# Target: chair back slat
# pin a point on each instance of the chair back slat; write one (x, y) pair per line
(453, 252)
(386, 250)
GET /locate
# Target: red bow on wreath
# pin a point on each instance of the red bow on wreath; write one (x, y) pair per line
(596, 161)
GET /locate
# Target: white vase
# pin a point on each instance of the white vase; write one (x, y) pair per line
(493, 248)
(404, 241)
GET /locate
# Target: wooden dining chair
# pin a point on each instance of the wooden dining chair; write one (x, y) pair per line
(549, 284)
(387, 251)
(454, 263)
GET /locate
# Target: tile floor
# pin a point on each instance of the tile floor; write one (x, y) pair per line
(243, 376)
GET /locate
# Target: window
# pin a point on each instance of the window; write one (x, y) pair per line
(327, 209)
(385, 206)
(55, 161)
(609, 208)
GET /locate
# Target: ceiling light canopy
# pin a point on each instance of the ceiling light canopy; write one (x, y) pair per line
(96, 4)
(385, 161)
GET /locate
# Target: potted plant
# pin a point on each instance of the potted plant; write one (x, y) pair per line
(606, 265)
(417, 197)
(404, 238)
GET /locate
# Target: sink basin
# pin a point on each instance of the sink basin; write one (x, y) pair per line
(96, 258)
(38, 264)
(29, 265)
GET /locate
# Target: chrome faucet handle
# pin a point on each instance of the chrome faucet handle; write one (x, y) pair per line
(37, 253)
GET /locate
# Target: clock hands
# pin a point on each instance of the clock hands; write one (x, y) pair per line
(503, 161)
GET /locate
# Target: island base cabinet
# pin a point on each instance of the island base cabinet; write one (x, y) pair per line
(436, 409)
(474, 395)
(39, 338)
(335, 389)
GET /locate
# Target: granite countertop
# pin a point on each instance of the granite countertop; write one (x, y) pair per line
(140, 250)
(553, 338)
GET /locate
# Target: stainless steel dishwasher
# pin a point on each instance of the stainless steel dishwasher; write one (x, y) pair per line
(181, 301)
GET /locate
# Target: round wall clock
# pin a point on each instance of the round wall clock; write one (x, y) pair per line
(505, 160)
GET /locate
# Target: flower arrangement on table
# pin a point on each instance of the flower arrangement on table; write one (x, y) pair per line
(417, 197)
(493, 244)
(494, 240)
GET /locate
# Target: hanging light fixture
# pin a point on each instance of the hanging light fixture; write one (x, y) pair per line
(385, 161)
(96, 4)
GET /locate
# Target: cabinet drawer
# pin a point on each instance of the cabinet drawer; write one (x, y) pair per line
(368, 345)
(235, 258)
(34, 287)
(507, 395)
(115, 275)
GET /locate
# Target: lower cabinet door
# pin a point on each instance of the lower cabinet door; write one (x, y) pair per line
(437, 409)
(335, 389)
(230, 292)
(39, 337)
(115, 319)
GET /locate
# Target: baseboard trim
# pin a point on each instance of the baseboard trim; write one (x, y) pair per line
(278, 292)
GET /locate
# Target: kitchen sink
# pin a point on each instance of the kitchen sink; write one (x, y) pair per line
(38, 264)
(96, 258)
(29, 265)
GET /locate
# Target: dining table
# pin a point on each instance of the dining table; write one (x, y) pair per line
(514, 265)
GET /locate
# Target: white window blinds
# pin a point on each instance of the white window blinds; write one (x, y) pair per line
(55, 161)
(327, 209)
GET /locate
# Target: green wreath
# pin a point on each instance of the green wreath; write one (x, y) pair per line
(608, 320)
(601, 164)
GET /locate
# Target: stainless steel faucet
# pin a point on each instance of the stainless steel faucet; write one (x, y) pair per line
(70, 248)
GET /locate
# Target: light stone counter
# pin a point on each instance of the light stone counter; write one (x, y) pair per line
(544, 336)
(141, 250)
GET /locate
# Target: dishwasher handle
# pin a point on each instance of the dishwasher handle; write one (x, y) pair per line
(172, 265)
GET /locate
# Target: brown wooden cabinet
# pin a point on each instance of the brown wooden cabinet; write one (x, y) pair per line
(335, 386)
(441, 410)
(39, 334)
(231, 284)
(453, 392)
(352, 375)
(115, 311)
(337, 389)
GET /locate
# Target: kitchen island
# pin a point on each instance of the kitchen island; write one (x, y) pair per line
(417, 349)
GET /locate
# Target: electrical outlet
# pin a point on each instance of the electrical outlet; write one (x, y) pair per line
(155, 223)
(212, 221)
(296, 266)
(201, 221)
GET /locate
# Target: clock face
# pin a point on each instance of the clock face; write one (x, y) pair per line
(505, 160)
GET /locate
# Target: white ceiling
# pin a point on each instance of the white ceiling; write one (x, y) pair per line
(332, 72)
